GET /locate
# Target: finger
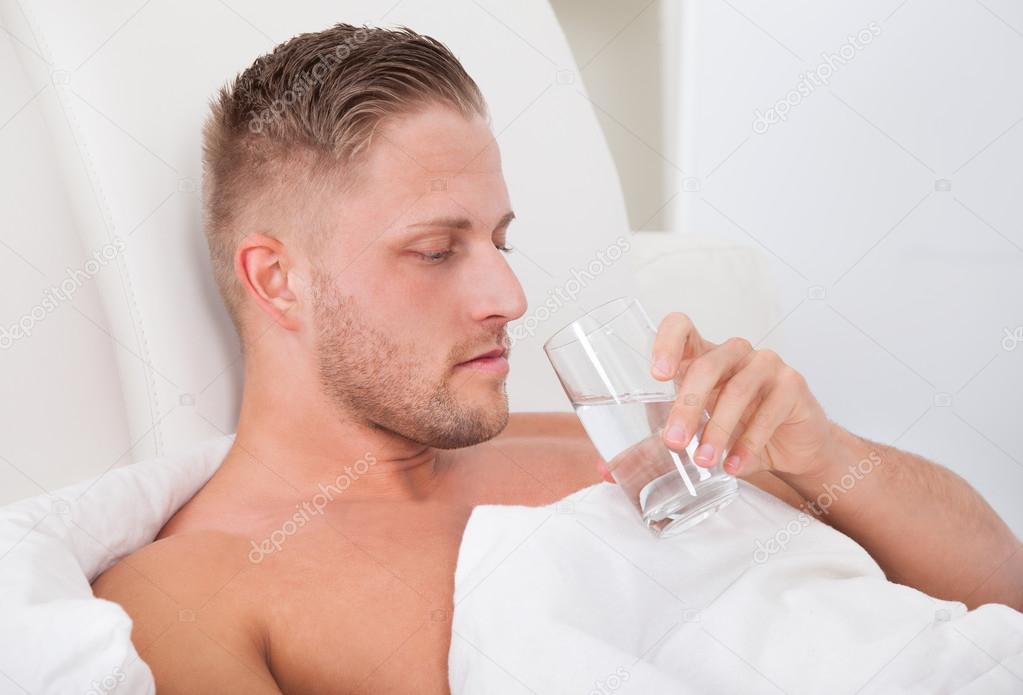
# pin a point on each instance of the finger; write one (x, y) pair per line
(702, 376)
(749, 453)
(739, 393)
(675, 334)
(604, 472)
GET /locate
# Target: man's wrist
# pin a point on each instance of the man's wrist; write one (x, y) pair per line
(845, 460)
(828, 463)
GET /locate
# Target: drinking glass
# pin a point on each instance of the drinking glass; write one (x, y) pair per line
(603, 361)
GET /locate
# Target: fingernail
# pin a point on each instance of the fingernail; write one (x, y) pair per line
(733, 464)
(676, 434)
(705, 453)
(663, 367)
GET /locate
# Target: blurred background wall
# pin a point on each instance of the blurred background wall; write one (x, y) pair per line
(872, 153)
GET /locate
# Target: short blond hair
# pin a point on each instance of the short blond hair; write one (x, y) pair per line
(311, 106)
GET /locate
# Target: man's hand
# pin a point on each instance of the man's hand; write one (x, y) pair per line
(761, 409)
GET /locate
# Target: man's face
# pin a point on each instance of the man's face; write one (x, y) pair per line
(411, 284)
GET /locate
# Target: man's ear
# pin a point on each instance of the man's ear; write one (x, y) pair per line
(266, 270)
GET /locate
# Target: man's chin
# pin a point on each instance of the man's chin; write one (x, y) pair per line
(473, 424)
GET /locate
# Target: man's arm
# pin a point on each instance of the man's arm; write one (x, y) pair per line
(924, 525)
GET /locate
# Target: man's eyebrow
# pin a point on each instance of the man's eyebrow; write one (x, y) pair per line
(461, 222)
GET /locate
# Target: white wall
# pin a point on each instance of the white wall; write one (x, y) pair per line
(889, 206)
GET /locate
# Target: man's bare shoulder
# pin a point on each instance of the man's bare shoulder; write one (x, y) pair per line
(192, 611)
(544, 424)
(543, 456)
(184, 568)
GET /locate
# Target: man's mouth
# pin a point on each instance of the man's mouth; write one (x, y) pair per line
(495, 360)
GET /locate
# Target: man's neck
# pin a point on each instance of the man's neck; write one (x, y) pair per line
(309, 447)
(361, 473)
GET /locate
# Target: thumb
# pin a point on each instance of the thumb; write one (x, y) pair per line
(604, 472)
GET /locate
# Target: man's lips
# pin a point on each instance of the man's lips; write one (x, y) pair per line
(496, 352)
(495, 360)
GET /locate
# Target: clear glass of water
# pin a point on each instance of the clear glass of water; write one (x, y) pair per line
(604, 363)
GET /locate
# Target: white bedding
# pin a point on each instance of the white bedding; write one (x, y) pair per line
(55, 637)
(578, 597)
(573, 597)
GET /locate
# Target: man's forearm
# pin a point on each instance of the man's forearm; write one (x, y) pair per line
(924, 525)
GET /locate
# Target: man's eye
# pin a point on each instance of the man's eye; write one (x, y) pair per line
(435, 256)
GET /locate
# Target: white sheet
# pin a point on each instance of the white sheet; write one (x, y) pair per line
(573, 597)
(578, 597)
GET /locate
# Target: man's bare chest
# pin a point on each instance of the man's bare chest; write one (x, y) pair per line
(350, 610)
(359, 599)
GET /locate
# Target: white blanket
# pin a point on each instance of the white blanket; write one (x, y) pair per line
(578, 597)
(573, 597)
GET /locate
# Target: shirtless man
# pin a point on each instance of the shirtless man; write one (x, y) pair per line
(372, 305)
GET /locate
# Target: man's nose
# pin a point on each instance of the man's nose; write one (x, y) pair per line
(496, 289)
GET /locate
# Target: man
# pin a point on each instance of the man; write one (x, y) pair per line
(372, 305)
